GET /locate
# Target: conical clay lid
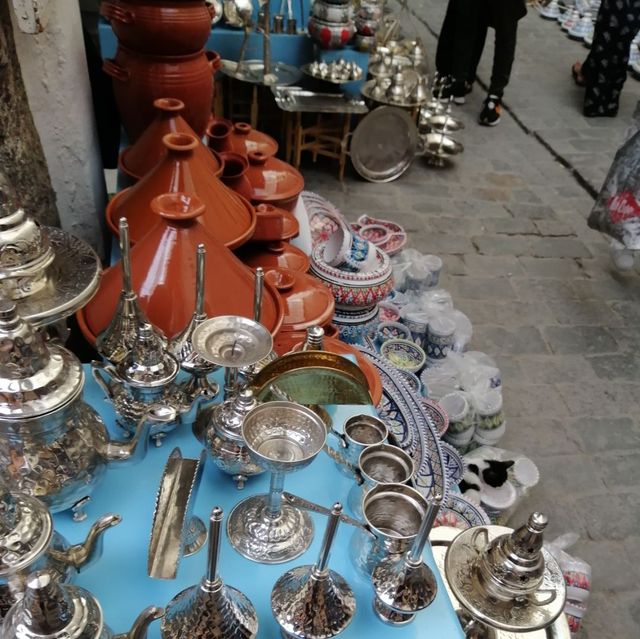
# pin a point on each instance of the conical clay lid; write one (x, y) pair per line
(163, 266)
(188, 167)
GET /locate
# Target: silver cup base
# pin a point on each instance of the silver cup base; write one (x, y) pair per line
(390, 616)
(258, 537)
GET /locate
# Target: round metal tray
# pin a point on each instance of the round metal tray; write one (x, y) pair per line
(253, 71)
(384, 144)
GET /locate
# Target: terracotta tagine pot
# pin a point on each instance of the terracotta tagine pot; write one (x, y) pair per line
(274, 181)
(187, 167)
(274, 255)
(274, 224)
(139, 158)
(159, 27)
(287, 341)
(223, 135)
(163, 266)
(234, 173)
(139, 79)
(307, 301)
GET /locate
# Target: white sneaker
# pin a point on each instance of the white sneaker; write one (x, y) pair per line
(622, 257)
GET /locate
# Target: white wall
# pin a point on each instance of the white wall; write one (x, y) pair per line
(55, 74)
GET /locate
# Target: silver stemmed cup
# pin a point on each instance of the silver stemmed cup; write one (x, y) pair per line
(314, 602)
(405, 585)
(281, 437)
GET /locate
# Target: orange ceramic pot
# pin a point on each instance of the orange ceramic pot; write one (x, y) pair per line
(307, 301)
(159, 27)
(274, 181)
(285, 342)
(274, 255)
(234, 173)
(140, 79)
(223, 135)
(274, 224)
(188, 167)
(163, 267)
(139, 158)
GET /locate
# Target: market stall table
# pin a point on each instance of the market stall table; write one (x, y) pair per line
(119, 579)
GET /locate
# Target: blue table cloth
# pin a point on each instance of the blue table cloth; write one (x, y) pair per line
(120, 582)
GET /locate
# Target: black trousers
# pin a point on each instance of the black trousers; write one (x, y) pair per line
(463, 36)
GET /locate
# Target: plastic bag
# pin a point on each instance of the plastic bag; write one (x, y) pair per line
(617, 209)
(414, 271)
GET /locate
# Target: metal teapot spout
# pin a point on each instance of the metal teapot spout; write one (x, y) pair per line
(142, 623)
(99, 371)
(136, 448)
(90, 550)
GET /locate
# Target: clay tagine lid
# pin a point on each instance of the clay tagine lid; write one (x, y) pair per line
(307, 301)
(26, 527)
(165, 259)
(273, 180)
(139, 158)
(36, 377)
(274, 255)
(184, 169)
(274, 224)
(240, 138)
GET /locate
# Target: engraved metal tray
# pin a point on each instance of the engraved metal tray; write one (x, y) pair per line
(298, 100)
(253, 71)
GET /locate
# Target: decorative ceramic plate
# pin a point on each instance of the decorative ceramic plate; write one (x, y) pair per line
(438, 415)
(324, 217)
(396, 238)
(461, 513)
(411, 426)
(453, 463)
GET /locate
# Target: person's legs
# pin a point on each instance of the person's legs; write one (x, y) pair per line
(468, 19)
(444, 51)
(504, 53)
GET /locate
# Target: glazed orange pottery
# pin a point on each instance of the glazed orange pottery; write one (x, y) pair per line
(274, 255)
(163, 267)
(187, 167)
(240, 137)
(273, 224)
(285, 342)
(159, 27)
(139, 158)
(274, 181)
(140, 79)
(234, 173)
(307, 301)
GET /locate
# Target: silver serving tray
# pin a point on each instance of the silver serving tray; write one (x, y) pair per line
(441, 538)
(298, 100)
(384, 144)
(252, 71)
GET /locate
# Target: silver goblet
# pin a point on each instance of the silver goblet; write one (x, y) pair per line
(281, 437)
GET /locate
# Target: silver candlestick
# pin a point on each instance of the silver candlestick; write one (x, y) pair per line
(314, 602)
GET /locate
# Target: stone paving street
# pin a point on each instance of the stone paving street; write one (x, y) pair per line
(509, 221)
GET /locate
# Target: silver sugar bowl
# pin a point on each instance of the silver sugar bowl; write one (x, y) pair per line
(28, 543)
(223, 437)
(53, 445)
(145, 377)
(50, 610)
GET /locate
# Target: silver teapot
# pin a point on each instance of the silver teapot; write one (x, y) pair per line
(223, 440)
(144, 378)
(397, 91)
(53, 445)
(28, 543)
(50, 610)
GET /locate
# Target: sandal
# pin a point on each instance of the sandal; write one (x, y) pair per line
(578, 78)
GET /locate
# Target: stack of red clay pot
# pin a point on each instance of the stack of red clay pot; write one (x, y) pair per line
(161, 53)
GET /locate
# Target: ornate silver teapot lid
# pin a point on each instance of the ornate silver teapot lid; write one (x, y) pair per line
(505, 578)
(25, 530)
(35, 377)
(148, 364)
(24, 246)
(227, 417)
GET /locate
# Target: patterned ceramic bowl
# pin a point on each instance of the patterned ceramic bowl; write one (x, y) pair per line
(403, 354)
(438, 415)
(380, 273)
(389, 312)
(412, 381)
(391, 330)
(356, 330)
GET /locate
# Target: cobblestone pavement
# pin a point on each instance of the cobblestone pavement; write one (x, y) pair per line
(508, 219)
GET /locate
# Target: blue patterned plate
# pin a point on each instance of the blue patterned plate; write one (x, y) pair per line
(461, 513)
(411, 426)
(453, 464)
